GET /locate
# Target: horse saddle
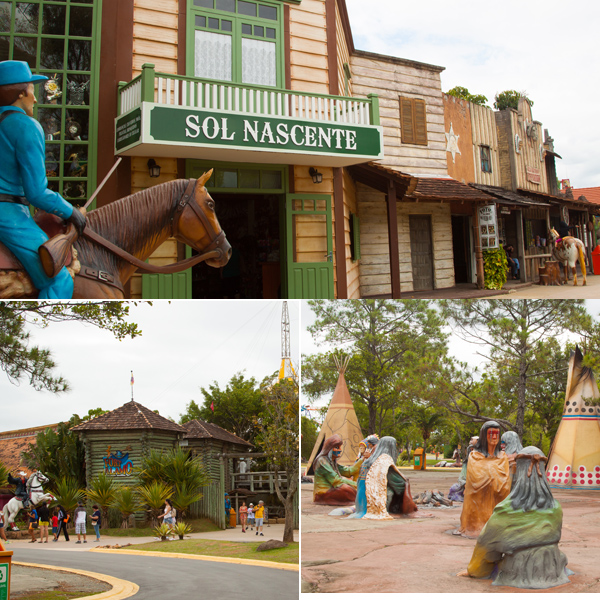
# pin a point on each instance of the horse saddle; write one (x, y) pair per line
(51, 225)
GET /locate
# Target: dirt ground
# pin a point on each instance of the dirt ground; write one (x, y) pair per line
(420, 555)
(25, 580)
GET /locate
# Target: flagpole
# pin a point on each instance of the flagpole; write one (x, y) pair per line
(132, 386)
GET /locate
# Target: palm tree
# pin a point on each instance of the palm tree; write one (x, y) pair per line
(127, 502)
(102, 490)
(67, 493)
(154, 495)
(185, 494)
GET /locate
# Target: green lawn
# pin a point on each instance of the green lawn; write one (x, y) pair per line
(198, 526)
(291, 554)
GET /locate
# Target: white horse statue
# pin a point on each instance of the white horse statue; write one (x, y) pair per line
(568, 251)
(36, 495)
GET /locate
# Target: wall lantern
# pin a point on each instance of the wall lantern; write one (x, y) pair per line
(316, 176)
(153, 168)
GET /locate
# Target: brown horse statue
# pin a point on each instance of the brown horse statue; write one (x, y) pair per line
(568, 251)
(120, 236)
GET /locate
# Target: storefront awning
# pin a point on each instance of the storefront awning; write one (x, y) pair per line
(508, 197)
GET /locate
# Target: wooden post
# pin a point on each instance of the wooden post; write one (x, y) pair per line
(147, 82)
(392, 219)
(340, 233)
(479, 270)
(374, 108)
(521, 246)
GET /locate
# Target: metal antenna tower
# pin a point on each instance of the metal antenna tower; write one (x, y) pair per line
(286, 369)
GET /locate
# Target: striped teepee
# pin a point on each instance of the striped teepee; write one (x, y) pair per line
(341, 419)
(574, 461)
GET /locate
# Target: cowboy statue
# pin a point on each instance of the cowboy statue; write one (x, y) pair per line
(22, 493)
(23, 180)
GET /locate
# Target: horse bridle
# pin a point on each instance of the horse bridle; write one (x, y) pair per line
(218, 237)
(213, 250)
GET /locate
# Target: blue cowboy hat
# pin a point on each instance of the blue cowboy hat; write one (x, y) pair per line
(17, 71)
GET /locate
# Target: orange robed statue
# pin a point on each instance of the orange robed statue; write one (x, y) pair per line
(488, 481)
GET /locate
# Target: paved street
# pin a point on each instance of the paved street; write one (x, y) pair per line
(160, 577)
(589, 291)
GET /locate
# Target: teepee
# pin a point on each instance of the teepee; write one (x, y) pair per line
(341, 419)
(574, 461)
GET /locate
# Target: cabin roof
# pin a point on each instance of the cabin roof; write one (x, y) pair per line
(129, 416)
(198, 429)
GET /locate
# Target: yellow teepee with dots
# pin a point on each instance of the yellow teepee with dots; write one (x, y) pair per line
(574, 460)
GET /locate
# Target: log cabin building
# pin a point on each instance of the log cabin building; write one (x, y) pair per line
(330, 173)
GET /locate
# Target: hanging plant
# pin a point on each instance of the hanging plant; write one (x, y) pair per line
(495, 267)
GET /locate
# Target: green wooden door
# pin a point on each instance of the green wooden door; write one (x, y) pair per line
(174, 286)
(309, 246)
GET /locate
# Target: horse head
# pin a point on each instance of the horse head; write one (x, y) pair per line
(42, 479)
(197, 225)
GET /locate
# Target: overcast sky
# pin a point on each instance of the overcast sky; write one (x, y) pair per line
(549, 49)
(185, 345)
(464, 351)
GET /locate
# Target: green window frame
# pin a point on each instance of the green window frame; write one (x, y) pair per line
(236, 178)
(60, 39)
(251, 20)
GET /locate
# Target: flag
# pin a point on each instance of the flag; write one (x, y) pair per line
(131, 377)
(212, 406)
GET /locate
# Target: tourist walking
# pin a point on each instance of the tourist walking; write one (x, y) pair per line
(63, 519)
(243, 516)
(43, 512)
(80, 522)
(55, 524)
(259, 515)
(33, 521)
(251, 516)
(168, 516)
(96, 521)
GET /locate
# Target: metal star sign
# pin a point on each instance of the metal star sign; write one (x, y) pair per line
(452, 140)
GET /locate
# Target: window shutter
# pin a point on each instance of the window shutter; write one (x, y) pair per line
(406, 121)
(413, 121)
(354, 237)
(420, 122)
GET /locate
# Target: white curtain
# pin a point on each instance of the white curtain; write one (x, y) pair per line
(258, 62)
(213, 55)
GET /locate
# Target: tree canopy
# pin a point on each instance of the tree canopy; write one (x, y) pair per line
(463, 92)
(510, 99)
(21, 360)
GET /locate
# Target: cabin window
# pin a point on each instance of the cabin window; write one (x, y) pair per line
(58, 40)
(413, 121)
(238, 41)
(486, 160)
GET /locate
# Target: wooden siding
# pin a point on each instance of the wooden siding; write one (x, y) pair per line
(308, 47)
(485, 133)
(155, 35)
(343, 54)
(375, 277)
(390, 79)
(457, 115)
(511, 123)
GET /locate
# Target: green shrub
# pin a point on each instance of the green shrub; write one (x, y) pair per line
(162, 531)
(181, 529)
(495, 267)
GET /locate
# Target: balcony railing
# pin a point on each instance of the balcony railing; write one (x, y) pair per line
(260, 481)
(191, 92)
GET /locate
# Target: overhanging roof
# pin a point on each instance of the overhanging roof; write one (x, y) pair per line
(504, 196)
(378, 177)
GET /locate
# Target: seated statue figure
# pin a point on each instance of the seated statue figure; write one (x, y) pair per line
(511, 445)
(365, 449)
(387, 490)
(488, 481)
(519, 544)
(333, 484)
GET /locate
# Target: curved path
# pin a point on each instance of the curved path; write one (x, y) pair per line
(161, 577)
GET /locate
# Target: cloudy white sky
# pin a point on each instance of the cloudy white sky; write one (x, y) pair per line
(185, 345)
(462, 350)
(549, 49)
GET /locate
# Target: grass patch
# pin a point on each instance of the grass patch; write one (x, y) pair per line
(50, 595)
(197, 525)
(291, 554)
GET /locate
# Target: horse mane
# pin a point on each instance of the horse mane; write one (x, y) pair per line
(134, 223)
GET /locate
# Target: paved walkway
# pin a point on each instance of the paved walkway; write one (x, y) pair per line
(420, 555)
